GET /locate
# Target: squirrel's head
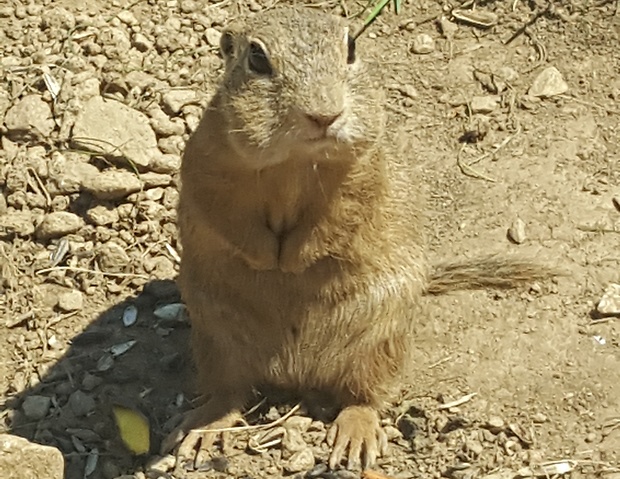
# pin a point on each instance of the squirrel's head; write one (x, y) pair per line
(295, 87)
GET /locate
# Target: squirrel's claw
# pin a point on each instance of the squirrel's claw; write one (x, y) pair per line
(356, 430)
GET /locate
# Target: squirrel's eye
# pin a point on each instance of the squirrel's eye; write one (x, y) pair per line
(258, 61)
(351, 51)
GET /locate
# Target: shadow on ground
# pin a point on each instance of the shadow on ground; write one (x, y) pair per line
(71, 408)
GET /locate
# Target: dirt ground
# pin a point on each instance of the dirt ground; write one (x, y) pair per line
(535, 373)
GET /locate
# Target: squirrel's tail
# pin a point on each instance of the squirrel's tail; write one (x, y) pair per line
(482, 273)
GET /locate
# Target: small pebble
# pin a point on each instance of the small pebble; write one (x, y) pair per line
(81, 403)
(474, 447)
(548, 83)
(36, 407)
(18, 223)
(317, 471)
(300, 423)
(219, 464)
(71, 301)
(423, 44)
(101, 215)
(212, 36)
(516, 232)
(127, 17)
(59, 223)
(112, 184)
(30, 116)
(539, 418)
(161, 464)
(610, 302)
(300, 461)
(293, 441)
(392, 433)
(175, 100)
(448, 28)
(3, 205)
(141, 42)
(495, 424)
(484, 104)
(90, 381)
(112, 257)
(501, 474)
(166, 163)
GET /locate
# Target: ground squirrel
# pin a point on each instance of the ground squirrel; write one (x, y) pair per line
(303, 256)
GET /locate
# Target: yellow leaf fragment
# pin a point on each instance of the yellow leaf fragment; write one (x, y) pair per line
(133, 427)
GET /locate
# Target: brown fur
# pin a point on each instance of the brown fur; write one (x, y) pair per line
(303, 263)
(486, 273)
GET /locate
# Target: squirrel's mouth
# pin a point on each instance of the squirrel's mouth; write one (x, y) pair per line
(325, 136)
(320, 141)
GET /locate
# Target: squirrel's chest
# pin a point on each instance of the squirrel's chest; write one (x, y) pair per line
(290, 195)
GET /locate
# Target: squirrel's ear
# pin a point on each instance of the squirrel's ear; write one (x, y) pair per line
(227, 44)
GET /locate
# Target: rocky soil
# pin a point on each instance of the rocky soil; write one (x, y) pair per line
(512, 110)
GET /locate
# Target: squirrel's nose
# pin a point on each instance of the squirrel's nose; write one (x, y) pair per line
(323, 121)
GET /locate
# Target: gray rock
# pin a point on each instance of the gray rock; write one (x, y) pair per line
(3, 206)
(548, 83)
(112, 184)
(495, 424)
(175, 100)
(293, 441)
(59, 223)
(474, 447)
(112, 257)
(423, 44)
(300, 461)
(141, 42)
(5, 103)
(127, 17)
(172, 145)
(501, 474)
(161, 268)
(300, 423)
(610, 302)
(212, 36)
(484, 104)
(154, 180)
(71, 301)
(166, 163)
(392, 433)
(21, 459)
(110, 128)
(161, 464)
(102, 215)
(68, 173)
(81, 403)
(85, 87)
(142, 80)
(90, 381)
(19, 223)
(165, 126)
(30, 116)
(36, 407)
(516, 232)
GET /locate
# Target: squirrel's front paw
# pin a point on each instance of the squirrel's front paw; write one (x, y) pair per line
(292, 260)
(262, 253)
(357, 438)
(297, 252)
(265, 261)
(292, 265)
